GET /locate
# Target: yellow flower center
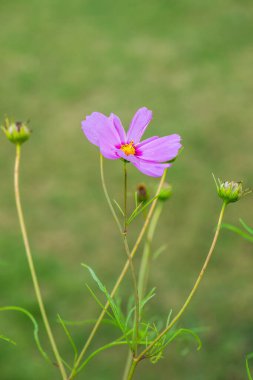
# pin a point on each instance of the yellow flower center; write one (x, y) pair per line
(128, 149)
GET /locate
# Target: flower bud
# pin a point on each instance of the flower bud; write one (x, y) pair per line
(230, 191)
(165, 192)
(142, 193)
(17, 132)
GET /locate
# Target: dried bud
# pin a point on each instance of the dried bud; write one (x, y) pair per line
(165, 192)
(17, 132)
(142, 193)
(230, 191)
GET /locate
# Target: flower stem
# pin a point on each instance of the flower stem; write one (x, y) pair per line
(136, 296)
(126, 266)
(142, 355)
(144, 272)
(31, 264)
(146, 256)
(132, 369)
(125, 197)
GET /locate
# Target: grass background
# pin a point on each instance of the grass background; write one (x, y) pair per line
(191, 63)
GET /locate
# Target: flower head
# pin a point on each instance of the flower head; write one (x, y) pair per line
(16, 132)
(150, 156)
(230, 191)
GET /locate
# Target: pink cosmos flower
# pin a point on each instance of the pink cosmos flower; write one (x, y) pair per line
(150, 156)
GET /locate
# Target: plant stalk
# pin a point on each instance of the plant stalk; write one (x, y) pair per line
(126, 266)
(143, 354)
(31, 265)
(135, 286)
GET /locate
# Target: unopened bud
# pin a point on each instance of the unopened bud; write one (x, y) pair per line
(17, 132)
(230, 191)
(142, 193)
(165, 192)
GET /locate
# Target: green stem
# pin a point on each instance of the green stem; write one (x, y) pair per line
(144, 271)
(132, 369)
(146, 256)
(126, 266)
(195, 287)
(135, 286)
(125, 197)
(31, 265)
(107, 195)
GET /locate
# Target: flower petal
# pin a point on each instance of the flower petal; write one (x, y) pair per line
(118, 126)
(100, 130)
(159, 150)
(147, 141)
(138, 124)
(149, 168)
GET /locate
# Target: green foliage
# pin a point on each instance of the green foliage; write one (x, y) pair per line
(71, 341)
(140, 208)
(247, 233)
(6, 339)
(116, 310)
(35, 328)
(148, 331)
(248, 357)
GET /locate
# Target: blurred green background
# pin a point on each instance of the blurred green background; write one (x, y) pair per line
(191, 63)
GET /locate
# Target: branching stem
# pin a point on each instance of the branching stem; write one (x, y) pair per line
(188, 300)
(126, 266)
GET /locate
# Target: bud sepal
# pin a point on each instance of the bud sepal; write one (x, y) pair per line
(230, 191)
(16, 132)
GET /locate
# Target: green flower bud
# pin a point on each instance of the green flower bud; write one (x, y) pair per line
(17, 132)
(230, 191)
(142, 193)
(165, 192)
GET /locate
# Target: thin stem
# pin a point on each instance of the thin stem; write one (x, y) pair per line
(126, 266)
(31, 265)
(132, 369)
(136, 296)
(125, 197)
(146, 256)
(195, 287)
(144, 272)
(107, 195)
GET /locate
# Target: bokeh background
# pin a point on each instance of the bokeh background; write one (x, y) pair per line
(191, 63)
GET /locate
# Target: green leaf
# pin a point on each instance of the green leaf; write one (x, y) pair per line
(35, 327)
(158, 252)
(248, 357)
(62, 323)
(247, 228)
(98, 301)
(238, 231)
(6, 339)
(140, 209)
(147, 298)
(120, 209)
(155, 356)
(115, 309)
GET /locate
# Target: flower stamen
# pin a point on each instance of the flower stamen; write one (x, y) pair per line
(128, 149)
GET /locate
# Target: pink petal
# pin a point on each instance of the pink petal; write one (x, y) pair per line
(149, 168)
(118, 126)
(138, 124)
(147, 141)
(160, 150)
(100, 130)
